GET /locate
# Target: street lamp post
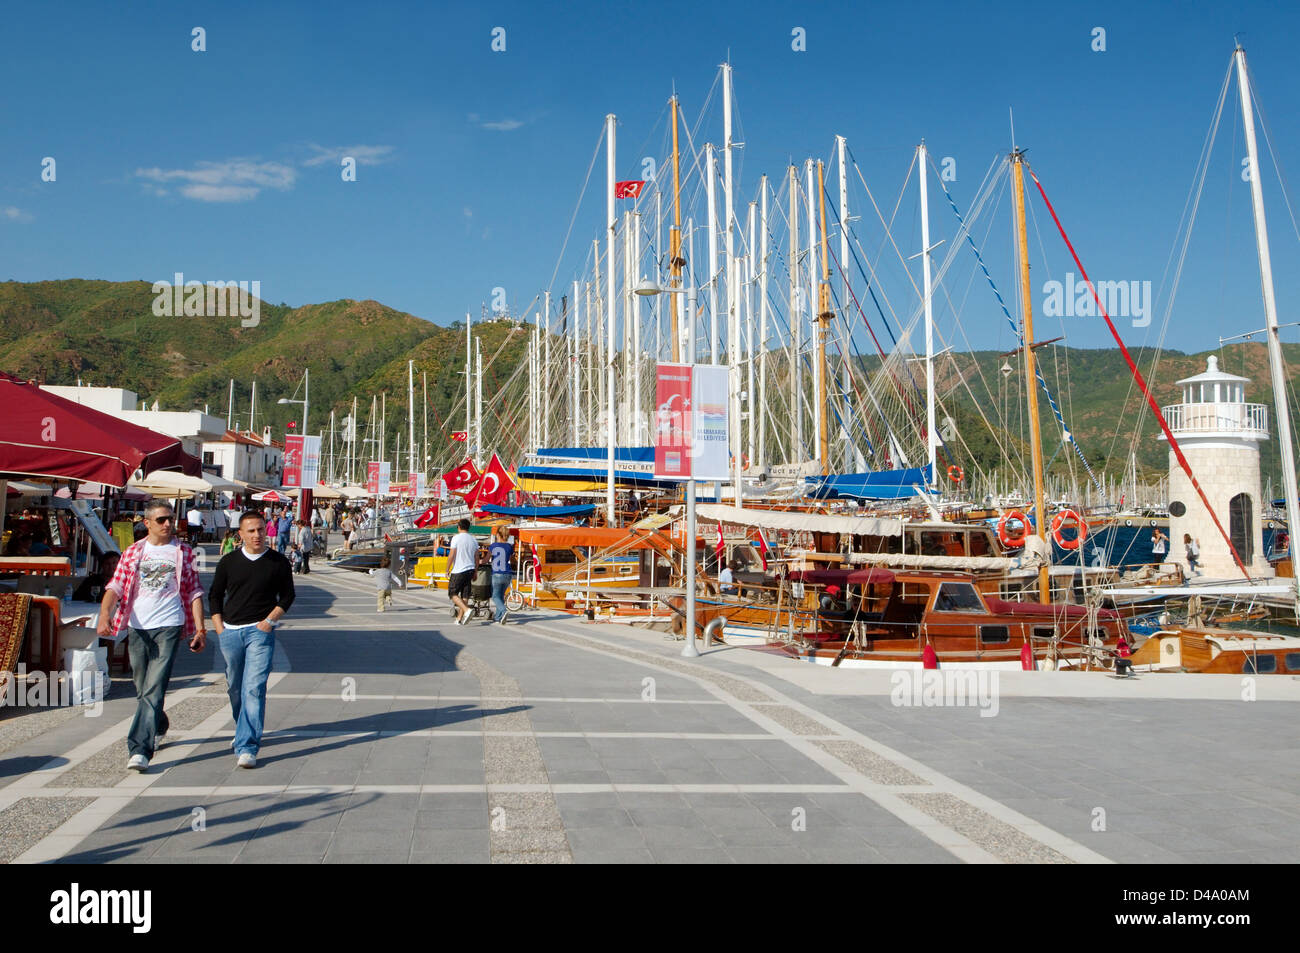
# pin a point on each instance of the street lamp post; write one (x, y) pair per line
(690, 650)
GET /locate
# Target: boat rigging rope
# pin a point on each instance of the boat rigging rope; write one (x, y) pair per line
(1141, 382)
(1038, 372)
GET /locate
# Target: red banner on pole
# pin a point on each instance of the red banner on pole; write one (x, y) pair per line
(372, 478)
(292, 475)
(672, 420)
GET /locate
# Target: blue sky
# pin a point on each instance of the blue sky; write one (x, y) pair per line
(225, 164)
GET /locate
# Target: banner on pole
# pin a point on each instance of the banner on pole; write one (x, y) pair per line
(378, 477)
(292, 474)
(691, 427)
(310, 462)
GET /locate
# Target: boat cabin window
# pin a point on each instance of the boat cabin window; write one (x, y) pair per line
(994, 634)
(1293, 661)
(554, 556)
(958, 597)
(1044, 633)
(1260, 665)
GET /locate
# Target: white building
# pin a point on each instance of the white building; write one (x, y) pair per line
(245, 456)
(1220, 435)
(191, 427)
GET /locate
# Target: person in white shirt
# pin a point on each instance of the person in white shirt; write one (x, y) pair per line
(195, 520)
(155, 595)
(463, 558)
(726, 580)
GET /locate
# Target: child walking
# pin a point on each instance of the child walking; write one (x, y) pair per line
(383, 583)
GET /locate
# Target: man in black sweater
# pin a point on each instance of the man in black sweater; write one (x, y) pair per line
(251, 591)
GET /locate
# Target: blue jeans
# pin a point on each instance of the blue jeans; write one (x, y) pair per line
(248, 651)
(152, 652)
(500, 583)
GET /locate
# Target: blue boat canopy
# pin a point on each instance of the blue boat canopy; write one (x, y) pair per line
(625, 454)
(878, 485)
(536, 512)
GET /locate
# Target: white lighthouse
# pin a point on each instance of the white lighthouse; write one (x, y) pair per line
(1220, 435)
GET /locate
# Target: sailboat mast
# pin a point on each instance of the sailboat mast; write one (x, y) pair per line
(1031, 376)
(469, 366)
(813, 321)
(546, 373)
(710, 174)
(611, 420)
(230, 405)
(675, 241)
(410, 415)
(824, 315)
(931, 443)
(761, 457)
(575, 407)
(842, 149)
(796, 321)
(1275, 364)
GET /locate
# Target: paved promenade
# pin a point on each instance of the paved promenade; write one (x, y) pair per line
(405, 738)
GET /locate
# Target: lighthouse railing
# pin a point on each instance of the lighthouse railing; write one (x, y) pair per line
(1243, 419)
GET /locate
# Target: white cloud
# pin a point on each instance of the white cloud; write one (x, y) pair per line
(16, 215)
(232, 180)
(365, 155)
(497, 125)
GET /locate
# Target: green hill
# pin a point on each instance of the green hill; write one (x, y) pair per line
(105, 333)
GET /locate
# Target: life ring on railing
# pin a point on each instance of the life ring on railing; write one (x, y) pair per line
(956, 473)
(1128, 522)
(1059, 522)
(1004, 536)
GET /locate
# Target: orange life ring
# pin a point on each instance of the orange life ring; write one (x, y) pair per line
(1004, 536)
(1059, 521)
(956, 473)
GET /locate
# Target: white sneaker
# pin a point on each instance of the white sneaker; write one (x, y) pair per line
(138, 762)
(247, 760)
(465, 616)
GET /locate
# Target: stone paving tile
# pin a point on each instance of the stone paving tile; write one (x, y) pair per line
(29, 819)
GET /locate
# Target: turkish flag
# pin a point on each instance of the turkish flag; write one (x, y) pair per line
(495, 485)
(628, 190)
(463, 478)
(428, 518)
(460, 435)
(762, 549)
(721, 547)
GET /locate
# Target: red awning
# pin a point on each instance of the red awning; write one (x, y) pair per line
(43, 435)
(869, 577)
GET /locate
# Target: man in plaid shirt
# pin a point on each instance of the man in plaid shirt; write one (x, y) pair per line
(155, 583)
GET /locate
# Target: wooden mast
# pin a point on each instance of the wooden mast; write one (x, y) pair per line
(824, 315)
(675, 259)
(1031, 375)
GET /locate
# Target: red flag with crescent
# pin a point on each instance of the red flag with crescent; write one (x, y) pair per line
(495, 485)
(720, 548)
(463, 478)
(428, 518)
(628, 190)
(460, 435)
(762, 549)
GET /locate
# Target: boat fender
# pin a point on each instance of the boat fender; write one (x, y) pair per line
(716, 624)
(1027, 658)
(928, 657)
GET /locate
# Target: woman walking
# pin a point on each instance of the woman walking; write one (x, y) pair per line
(500, 553)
